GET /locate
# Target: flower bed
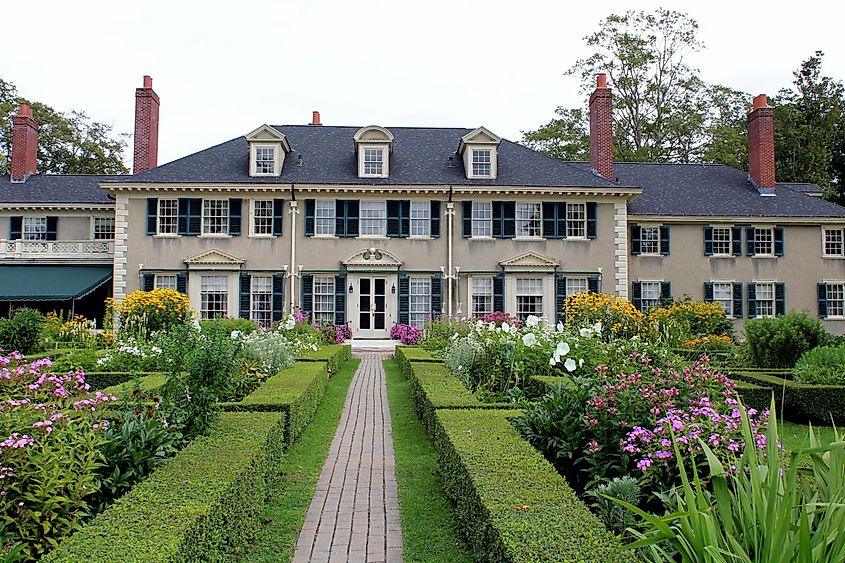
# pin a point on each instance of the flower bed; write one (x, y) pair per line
(203, 505)
(333, 354)
(511, 503)
(802, 402)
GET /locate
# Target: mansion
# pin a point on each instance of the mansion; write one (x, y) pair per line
(371, 226)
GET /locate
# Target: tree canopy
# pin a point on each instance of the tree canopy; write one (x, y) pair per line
(68, 143)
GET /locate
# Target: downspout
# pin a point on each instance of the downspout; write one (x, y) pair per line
(450, 212)
(292, 272)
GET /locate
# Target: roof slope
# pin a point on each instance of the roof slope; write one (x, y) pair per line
(56, 188)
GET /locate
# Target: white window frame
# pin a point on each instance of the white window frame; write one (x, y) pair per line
(727, 303)
(530, 287)
(364, 151)
(835, 287)
(653, 300)
(34, 228)
(210, 286)
(325, 211)
(97, 230)
(323, 296)
(167, 217)
(653, 238)
(757, 241)
(769, 285)
(420, 219)
(261, 219)
(482, 219)
(379, 220)
(576, 221)
(221, 214)
(261, 300)
(480, 160)
(254, 149)
(529, 220)
(839, 231)
(481, 287)
(575, 285)
(165, 281)
(419, 301)
(729, 242)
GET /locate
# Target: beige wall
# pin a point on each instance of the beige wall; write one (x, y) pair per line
(72, 225)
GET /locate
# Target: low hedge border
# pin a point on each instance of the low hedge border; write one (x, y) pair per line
(296, 391)
(802, 402)
(149, 383)
(55, 353)
(406, 354)
(202, 505)
(538, 385)
(756, 397)
(511, 503)
(103, 379)
(335, 355)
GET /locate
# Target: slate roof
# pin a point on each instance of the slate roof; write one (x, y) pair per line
(56, 188)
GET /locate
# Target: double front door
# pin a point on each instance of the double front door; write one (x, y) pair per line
(374, 314)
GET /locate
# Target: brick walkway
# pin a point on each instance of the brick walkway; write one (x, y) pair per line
(354, 515)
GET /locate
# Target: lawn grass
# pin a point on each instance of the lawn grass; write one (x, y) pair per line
(796, 436)
(429, 531)
(285, 511)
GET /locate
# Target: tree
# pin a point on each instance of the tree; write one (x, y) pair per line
(68, 143)
(566, 138)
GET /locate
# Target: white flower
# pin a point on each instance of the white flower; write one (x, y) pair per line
(597, 327)
(569, 364)
(532, 321)
(529, 339)
(454, 337)
(505, 327)
(585, 332)
(581, 362)
(235, 334)
(197, 324)
(491, 327)
(562, 349)
(290, 324)
(560, 326)
(552, 361)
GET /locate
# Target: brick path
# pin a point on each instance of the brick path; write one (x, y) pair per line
(354, 515)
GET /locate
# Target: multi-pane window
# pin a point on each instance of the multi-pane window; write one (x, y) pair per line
(721, 240)
(324, 211)
(528, 217)
(215, 216)
(420, 218)
(482, 219)
(373, 218)
(420, 301)
(723, 294)
(373, 161)
(214, 297)
(650, 295)
(835, 300)
(576, 220)
(764, 241)
(833, 242)
(103, 228)
(482, 296)
(529, 297)
(650, 240)
(324, 300)
(265, 160)
(34, 228)
(575, 285)
(164, 281)
(168, 216)
(765, 295)
(481, 162)
(262, 217)
(261, 304)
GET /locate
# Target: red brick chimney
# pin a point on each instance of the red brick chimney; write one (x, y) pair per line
(146, 127)
(761, 144)
(315, 119)
(601, 129)
(24, 144)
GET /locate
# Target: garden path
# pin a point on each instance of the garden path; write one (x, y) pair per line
(354, 515)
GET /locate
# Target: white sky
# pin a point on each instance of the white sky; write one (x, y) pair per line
(223, 68)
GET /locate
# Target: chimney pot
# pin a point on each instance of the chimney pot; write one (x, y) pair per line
(601, 129)
(315, 118)
(760, 101)
(148, 82)
(25, 111)
(146, 127)
(24, 145)
(601, 80)
(761, 145)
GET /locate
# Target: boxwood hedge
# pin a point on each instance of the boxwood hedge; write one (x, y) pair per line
(296, 391)
(511, 503)
(406, 354)
(333, 354)
(150, 383)
(202, 505)
(801, 402)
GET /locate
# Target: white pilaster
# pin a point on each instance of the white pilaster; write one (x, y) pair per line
(620, 248)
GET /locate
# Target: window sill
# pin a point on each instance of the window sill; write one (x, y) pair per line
(214, 236)
(420, 237)
(324, 236)
(834, 318)
(374, 237)
(765, 256)
(724, 256)
(833, 257)
(528, 238)
(479, 237)
(167, 235)
(644, 255)
(585, 239)
(262, 236)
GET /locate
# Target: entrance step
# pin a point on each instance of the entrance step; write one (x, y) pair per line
(364, 345)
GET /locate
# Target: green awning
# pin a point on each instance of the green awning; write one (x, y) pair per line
(50, 283)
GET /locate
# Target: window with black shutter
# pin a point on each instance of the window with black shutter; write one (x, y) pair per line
(592, 220)
(308, 224)
(152, 215)
(404, 299)
(278, 306)
(278, 217)
(340, 300)
(636, 240)
(499, 293)
(435, 219)
(307, 295)
(245, 302)
(235, 214)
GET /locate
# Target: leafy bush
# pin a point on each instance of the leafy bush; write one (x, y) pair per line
(779, 342)
(335, 355)
(236, 324)
(438, 332)
(74, 330)
(710, 344)
(271, 349)
(335, 334)
(143, 312)
(824, 365)
(132, 354)
(22, 331)
(615, 516)
(617, 315)
(406, 334)
(83, 359)
(688, 320)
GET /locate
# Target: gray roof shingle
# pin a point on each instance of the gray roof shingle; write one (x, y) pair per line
(56, 188)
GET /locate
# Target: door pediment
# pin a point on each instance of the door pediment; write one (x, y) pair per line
(372, 259)
(529, 261)
(214, 259)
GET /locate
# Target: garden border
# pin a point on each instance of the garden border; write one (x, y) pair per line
(335, 355)
(803, 402)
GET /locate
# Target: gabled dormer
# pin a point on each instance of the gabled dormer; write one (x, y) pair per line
(373, 145)
(479, 149)
(267, 150)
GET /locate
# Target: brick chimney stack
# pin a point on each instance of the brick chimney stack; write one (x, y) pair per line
(315, 119)
(146, 127)
(601, 129)
(761, 145)
(24, 145)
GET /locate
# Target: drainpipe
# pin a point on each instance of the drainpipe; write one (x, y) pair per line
(292, 273)
(450, 213)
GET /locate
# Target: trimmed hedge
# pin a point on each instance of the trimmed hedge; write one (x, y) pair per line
(539, 385)
(149, 383)
(511, 503)
(103, 379)
(296, 391)
(755, 396)
(335, 355)
(202, 505)
(406, 354)
(802, 402)
(55, 353)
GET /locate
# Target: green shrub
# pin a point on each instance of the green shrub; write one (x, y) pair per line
(538, 385)
(84, 359)
(406, 354)
(779, 342)
(21, 332)
(244, 326)
(335, 355)
(203, 505)
(150, 383)
(824, 365)
(296, 391)
(615, 516)
(511, 504)
(799, 402)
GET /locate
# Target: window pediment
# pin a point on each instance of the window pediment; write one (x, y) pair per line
(373, 145)
(214, 259)
(529, 261)
(479, 149)
(372, 258)
(267, 149)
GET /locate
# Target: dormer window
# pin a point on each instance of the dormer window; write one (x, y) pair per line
(267, 149)
(373, 161)
(481, 162)
(479, 149)
(265, 160)
(373, 145)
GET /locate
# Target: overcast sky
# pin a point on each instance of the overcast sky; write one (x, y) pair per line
(223, 68)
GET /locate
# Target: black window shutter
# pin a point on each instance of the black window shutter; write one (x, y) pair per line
(592, 220)
(736, 241)
(749, 241)
(194, 215)
(340, 300)
(352, 210)
(235, 214)
(404, 299)
(780, 299)
(752, 300)
(822, 293)
(708, 292)
(278, 217)
(278, 305)
(339, 218)
(246, 281)
(307, 294)
(52, 227)
(435, 219)
(664, 240)
(708, 241)
(148, 282)
(550, 219)
(436, 296)
(152, 215)
(498, 219)
(593, 284)
(404, 218)
(499, 293)
(509, 219)
(309, 218)
(394, 218)
(665, 290)
(636, 240)
(182, 221)
(561, 219)
(466, 223)
(637, 295)
(560, 297)
(778, 235)
(182, 283)
(737, 301)
(15, 227)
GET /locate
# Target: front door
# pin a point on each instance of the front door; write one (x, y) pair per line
(372, 307)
